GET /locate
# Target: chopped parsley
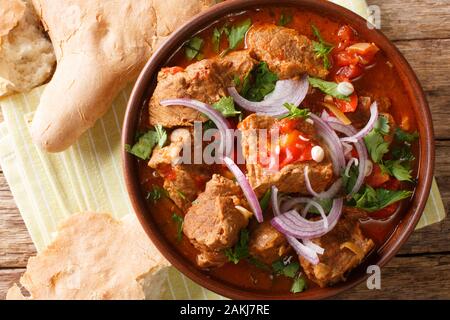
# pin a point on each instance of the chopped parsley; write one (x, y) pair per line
(403, 136)
(157, 193)
(349, 180)
(161, 135)
(401, 170)
(226, 106)
(179, 221)
(259, 83)
(265, 200)
(144, 146)
(290, 270)
(235, 34)
(327, 87)
(371, 200)
(240, 250)
(299, 285)
(375, 143)
(295, 112)
(285, 19)
(193, 48)
(182, 195)
(321, 48)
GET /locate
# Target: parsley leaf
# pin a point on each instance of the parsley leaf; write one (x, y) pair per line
(295, 112)
(403, 153)
(217, 36)
(263, 83)
(157, 193)
(327, 87)
(403, 136)
(237, 33)
(382, 125)
(209, 125)
(193, 48)
(322, 49)
(299, 285)
(350, 180)
(326, 205)
(265, 200)
(376, 199)
(161, 135)
(376, 145)
(398, 169)
(285, 19)
(179, 220)
(144, 147)
(288, 270)
(226, 106)
(240, 250)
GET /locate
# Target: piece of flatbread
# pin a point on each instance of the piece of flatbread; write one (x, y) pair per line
(27, 58)
(96, 257)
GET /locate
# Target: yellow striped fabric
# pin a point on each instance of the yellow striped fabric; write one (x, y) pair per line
(87, 177)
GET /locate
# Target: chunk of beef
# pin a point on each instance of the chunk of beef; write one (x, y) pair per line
(289, 178)
(345, 248)
(360, 117)
(213, 223)
(287, 53)
(267, 244)
(206, 81)
(183, 182)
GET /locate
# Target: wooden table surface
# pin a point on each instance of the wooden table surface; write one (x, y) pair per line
(421, 270)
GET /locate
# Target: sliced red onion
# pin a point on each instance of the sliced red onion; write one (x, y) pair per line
(362, 153)
(332, 140)
(226, 141)
(246, 188)
(292, 224)
(302, 250)
(318, 249)
(348, 148)
(369, 126)
(327, 118)
(329, 194)
(286, 91)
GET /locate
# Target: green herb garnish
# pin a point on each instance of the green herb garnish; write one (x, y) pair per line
(288, 270)
(403, 136)
(299, 285)
(259, 83)
(295, 112)
(237, 33)
(157, 193)
(193, 48)
(179, 220)
(240, 250)
(182, 195)
(327, 87)
(265, 200)
(144, 146)
(321, 48)
(349, 180)
(396, 168)
(217, 36)
(226, 106)
(372, 200)
(161, 135)
(285, 19)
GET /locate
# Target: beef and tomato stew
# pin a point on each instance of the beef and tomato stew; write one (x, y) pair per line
(277, 150)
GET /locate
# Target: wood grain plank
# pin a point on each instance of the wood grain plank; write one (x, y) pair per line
(15, 242)
(423, 277)
(412, 19)
(7, 278)
(430, 60)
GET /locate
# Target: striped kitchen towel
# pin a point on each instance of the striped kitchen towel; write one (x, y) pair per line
(87, 177)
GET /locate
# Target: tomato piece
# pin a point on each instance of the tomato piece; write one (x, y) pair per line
(167, 172)
(346, 35)
(392, 184)
(377, 178)
(347, 106)
(364, 52)
(345, 58)
(348, 73)
(287, 125)
(385, 212)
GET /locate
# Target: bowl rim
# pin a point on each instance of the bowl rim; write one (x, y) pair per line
(141, 92)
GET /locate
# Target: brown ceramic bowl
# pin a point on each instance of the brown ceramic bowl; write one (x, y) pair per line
(143, 90)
